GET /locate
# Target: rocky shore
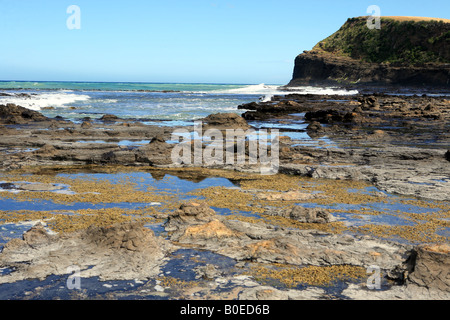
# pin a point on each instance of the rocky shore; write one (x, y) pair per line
(397, 144)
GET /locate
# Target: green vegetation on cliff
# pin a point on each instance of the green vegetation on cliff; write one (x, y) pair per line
(399, 41)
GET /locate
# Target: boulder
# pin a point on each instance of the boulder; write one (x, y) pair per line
(430, 266)
(109, 118)
(86, 125)
(130, 236)
(13, 114)
(306, 215)
(377, 135)
(119, 157)
(157, 152)
(207, 232)
(190, 214)
(369, 103)
(207, 272)
(315, 127)
(37, 235)
(324, 116)
(47, 151)
(223, 121)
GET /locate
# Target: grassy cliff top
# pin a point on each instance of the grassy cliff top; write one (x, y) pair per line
(416, 19)
(400, 41)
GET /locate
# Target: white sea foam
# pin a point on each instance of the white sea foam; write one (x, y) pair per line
(268, 91)
(44, 100)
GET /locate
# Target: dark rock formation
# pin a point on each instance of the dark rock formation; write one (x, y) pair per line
(402, 52)
(86, 125)
(312, 68)
(13, 114)
(157, 152)
(223, 121)
(122, 251)
(430, 266)
(190, 214)
(109, 118)
(305, 215)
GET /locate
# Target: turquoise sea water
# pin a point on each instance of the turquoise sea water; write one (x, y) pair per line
(115, 86)
(174, 102)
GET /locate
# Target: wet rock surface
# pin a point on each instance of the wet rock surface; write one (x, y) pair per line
(430, 267)
(305, 215)
(189, 214)
(123, 251)
(13, 114)
(399, 144)
(129, 251)
(223, 121)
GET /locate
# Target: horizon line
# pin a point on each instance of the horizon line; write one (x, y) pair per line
(139, 82)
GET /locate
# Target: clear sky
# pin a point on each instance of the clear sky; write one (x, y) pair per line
(202, 41)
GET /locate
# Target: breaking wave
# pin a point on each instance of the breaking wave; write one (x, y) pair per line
(43, 100)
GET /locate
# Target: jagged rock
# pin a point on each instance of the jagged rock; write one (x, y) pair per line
(157, 139)
(207, 232)
(431, 267)
(245, 241)
(208, 272)
(119, 157)
(377, 135)
(5, 131)
(130, 236)
(86, 125)
(304, 215)
(37, 235)
(196, 223)
(157, 152)
(47, 151)
(125, 251)
(315, 126)
(223, 121)
(7, 186)
(190, 214)
(109, 118)
(369, 102)
(13, 114)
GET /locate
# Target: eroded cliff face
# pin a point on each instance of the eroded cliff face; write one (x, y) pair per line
(402, 52)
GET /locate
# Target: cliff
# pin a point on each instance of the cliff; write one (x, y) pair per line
(405, 51)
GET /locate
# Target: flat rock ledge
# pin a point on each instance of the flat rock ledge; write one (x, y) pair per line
(124, 251)
(129, 251)
(245, 241)
(421, 272)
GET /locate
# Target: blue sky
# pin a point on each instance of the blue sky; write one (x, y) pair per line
(202, 41)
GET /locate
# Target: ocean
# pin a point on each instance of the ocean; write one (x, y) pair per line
(175, 103)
